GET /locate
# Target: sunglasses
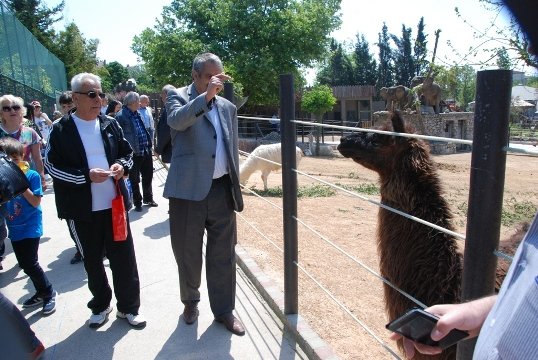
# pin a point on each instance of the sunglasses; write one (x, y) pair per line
(92, 94)
(9, 108)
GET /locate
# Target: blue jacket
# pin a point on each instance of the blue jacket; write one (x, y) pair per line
(23, 219)
(129, 130)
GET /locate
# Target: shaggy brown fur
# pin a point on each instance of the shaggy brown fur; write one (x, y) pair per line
(416, 258)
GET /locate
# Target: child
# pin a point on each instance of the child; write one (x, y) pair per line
(25, 224)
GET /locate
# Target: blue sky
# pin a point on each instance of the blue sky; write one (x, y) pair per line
(116, 22)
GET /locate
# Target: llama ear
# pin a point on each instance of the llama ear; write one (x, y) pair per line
(397, 122)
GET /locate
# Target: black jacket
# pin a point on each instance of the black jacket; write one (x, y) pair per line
(163, 144)
(65, 160)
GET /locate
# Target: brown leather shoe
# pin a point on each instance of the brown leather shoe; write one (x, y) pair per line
(232, 323)
(190, 313)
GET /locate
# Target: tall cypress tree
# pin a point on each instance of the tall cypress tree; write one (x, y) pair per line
(420, 50)
(365, 64)
(404, 67)
(385, 75)
(339, 69)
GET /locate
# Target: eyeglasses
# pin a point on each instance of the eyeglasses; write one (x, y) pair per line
(92, 94)
(9, 108)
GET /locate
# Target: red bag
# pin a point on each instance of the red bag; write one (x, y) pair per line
(119, 216)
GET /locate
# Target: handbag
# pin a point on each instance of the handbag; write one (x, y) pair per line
(13, 181)
(119, 216)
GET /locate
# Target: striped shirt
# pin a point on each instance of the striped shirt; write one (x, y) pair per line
(511, 328)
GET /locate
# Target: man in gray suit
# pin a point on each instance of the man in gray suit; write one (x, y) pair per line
(203, 189)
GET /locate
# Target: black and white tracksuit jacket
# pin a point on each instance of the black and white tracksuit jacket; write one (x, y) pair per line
(66, 162)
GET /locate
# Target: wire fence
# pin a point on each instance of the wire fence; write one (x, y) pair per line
(275, 241)
(343, 252)
(27, 68)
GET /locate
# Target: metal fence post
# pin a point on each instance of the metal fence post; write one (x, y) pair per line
(289, 189)
(488, 166)
(229, 92)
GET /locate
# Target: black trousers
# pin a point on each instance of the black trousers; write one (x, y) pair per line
(26, 253)
(95, 238)
(188, 219)
(142, 167)
(72, 233)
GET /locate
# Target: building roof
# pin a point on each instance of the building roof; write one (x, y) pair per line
(526, 93)
(353, 91)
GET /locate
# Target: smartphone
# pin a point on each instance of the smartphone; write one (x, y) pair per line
(417, 325)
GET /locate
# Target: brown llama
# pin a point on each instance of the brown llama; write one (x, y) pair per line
(416, 258)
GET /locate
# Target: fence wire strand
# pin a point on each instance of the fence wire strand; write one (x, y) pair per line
(343, 307)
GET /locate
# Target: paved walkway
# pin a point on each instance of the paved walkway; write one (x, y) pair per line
(166, 336)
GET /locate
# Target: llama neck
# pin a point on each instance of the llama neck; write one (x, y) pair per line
(409, 186)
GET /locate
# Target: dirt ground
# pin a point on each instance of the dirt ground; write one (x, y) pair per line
(350, 223)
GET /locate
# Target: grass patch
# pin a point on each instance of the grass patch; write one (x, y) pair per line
(515, 212)
(307, 191)
(367, 188)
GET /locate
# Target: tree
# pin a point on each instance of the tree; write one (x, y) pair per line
(318, 101)
(339, 68)
(117, 73)
(365, 64)
(503, 60)
(404, 64)
(77, 53)
(512, 38)
(533, 81)
(385, 77)
(252, 38)
(457, 82)
(420, 50)
(38, 19)
(144, 82)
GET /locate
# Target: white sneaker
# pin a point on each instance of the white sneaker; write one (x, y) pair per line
(135, 320)
(98, 320)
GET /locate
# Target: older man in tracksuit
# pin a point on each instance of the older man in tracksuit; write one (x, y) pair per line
(85, 154)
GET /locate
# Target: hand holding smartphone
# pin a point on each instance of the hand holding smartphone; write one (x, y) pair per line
(417, 324)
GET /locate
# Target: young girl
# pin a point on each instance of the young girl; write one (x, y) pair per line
(25, 224)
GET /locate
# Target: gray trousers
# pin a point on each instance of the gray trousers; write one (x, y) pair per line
(188, 219)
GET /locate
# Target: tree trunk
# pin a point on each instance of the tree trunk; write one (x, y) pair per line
(316, 133)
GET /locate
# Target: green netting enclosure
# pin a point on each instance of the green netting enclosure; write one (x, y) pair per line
(27, 68)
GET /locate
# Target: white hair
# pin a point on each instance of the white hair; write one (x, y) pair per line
(80, 79)
(131, 98)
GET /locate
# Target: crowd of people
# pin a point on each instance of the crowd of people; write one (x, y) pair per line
(116, 143)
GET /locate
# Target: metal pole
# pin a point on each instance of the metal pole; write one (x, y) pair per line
(229, 92)
(488, 166)
(289, 198)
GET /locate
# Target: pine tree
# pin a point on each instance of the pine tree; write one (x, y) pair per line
(503, 60)
(420, 50)
(339, 69)
(404, 65)
(365, 64)
(385, 76)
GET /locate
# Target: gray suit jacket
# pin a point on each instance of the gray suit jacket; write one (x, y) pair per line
(194, 144)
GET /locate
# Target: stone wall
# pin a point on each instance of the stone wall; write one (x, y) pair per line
(455, 125)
